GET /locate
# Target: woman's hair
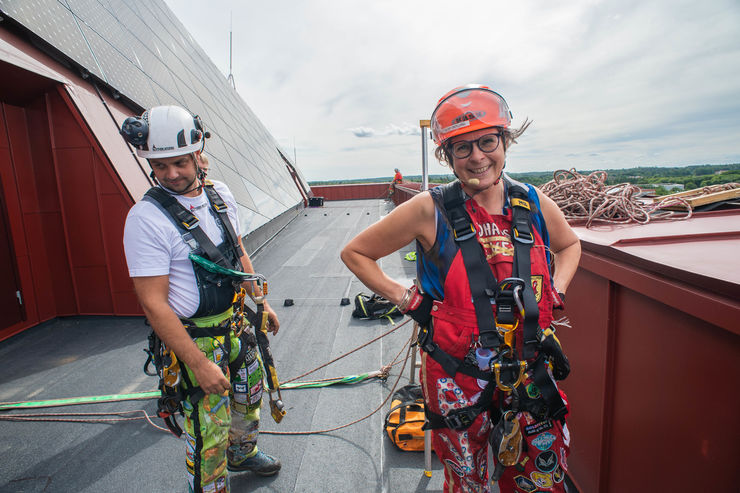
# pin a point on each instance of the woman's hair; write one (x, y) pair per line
(510, 136)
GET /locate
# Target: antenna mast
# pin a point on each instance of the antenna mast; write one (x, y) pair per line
(231, 28)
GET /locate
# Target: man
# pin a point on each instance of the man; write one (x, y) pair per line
(204, 164)
(397, 178)
(190, 308)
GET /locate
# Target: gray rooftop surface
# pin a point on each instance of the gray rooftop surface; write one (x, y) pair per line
(85, 356)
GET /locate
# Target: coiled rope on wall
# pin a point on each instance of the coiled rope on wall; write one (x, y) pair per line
(588, 198)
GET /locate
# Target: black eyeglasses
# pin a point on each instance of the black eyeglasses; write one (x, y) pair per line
(464, 148)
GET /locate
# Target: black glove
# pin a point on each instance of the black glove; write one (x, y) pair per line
(418, 306)
(550, 345)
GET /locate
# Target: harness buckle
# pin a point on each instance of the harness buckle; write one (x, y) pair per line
(464, 234)
(523, 236)
(460, 419)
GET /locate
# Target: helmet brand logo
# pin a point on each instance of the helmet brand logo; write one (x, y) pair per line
(155, 148)
(469, 115)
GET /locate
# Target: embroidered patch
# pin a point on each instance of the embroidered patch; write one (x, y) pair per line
(562, 458)
(543, 441)
(525, 484)
(547, 461)
(533, 391)
(541, 479)
(532, 429)
(537, 287)
(558, 475)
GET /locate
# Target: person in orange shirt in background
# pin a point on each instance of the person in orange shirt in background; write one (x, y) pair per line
(397, 178)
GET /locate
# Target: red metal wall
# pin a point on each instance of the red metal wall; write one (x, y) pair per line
(653, 390)
(351, 192)
(366, 191)
(66, 209)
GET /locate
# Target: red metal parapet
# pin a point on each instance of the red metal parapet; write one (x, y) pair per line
(655, 347)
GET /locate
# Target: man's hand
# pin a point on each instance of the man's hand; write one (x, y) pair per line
(210, 377)
(273, 324)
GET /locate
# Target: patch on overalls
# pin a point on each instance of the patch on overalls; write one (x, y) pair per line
(218, 355)
(547, 461)
(525, 484)
(562, 459)
(537, 287)
(558, 475)
(541, 479)
(189, 451)
(533, 391)
(539, 427)
(543, 441)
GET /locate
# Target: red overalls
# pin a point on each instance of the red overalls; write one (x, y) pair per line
(543, 461)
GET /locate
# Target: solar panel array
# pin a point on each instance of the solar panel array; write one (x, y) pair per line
(140, 49)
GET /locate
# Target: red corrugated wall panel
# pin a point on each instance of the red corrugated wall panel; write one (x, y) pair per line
(652, 390)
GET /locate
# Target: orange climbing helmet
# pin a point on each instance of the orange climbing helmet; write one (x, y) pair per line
(466, 109)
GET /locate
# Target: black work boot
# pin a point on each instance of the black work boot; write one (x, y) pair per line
(261, 464)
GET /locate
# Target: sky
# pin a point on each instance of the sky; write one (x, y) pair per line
(342, 85)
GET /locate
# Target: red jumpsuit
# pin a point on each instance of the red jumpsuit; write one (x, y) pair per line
(441, 272)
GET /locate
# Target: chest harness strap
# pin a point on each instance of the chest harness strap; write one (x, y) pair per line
(511, 296)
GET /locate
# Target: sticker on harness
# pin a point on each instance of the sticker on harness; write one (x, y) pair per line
(539, 427)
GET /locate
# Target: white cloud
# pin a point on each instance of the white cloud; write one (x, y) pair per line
(607, 84)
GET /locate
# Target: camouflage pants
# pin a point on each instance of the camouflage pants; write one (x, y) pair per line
(218, 426)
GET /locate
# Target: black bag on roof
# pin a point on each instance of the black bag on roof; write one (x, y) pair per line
(374, 307)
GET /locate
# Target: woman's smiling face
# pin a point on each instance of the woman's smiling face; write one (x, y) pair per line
(485, 167)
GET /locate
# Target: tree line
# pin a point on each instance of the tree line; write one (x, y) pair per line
(695, 176)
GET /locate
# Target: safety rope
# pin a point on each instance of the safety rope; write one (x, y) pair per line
(586, 197)
(76, 417)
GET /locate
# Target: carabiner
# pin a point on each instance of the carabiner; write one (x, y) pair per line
(522, 372)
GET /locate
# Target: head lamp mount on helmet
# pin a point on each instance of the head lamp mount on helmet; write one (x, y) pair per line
(467, 109)
(135, 130)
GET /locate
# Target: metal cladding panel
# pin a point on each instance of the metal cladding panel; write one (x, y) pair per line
(654, 346)
(139, 49)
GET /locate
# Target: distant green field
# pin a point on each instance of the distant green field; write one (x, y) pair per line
(695, 176)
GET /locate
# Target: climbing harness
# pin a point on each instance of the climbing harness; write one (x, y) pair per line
(221, 311)
(516, 308)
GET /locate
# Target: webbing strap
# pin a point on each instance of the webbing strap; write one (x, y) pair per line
(451, 365)
(218, 204)
(481, 279)
(550, 393)
(186, 222)
(523, 239)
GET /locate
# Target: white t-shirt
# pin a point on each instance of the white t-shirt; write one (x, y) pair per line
(154, 246)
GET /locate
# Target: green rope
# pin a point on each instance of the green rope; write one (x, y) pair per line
(71, 401)
(155, 394)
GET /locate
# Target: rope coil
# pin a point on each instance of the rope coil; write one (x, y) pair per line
(588, 198)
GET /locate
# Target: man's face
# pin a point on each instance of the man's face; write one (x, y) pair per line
(176, 173)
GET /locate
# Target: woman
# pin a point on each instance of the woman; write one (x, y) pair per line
(484, 302)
